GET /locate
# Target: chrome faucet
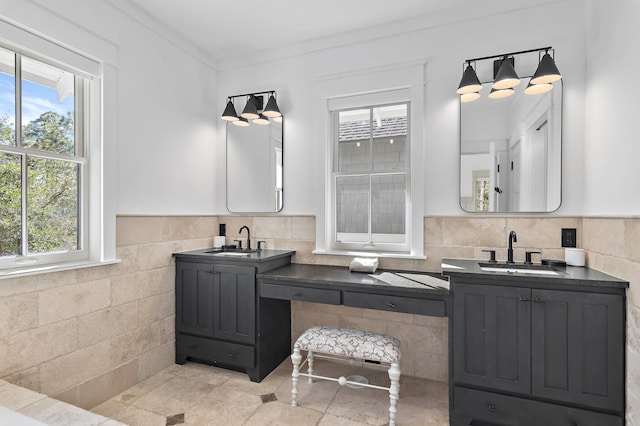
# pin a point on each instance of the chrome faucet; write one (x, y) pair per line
(248, 236)
(512, 239)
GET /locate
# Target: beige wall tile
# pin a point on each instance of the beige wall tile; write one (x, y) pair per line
(38, 345)
(632, 239)
(103, 325)
(474, 231)
(606, 236)
(69, 301)
(433, 231)
(158, 255)
(188, 227)
(278, 227)
(156, 359)
(18, 313)
(135, 230)
(128, 346)
(107, 385)
(66, 371)
(29, 378)
(155, 308)
(303, 228)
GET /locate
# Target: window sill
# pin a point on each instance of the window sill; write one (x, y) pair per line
(369, 254)
(43, 269)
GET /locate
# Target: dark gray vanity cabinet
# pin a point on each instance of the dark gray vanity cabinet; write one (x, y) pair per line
(529, 351)
(221, 321)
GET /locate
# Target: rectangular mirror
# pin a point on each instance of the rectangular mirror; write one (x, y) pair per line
(511, 151)
(255, 168)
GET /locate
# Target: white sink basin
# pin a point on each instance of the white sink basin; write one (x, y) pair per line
(516, 270)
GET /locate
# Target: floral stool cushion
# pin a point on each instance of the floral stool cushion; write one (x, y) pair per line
(350, 343)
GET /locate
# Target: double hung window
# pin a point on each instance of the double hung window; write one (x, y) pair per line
(43, 161)
(371, 174)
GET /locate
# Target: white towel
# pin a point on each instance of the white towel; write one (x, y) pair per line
(364, 264)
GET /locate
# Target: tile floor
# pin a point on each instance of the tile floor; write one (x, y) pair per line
(196, 394)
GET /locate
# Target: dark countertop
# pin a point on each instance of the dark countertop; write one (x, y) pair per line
(567, 276)
(211, 254)
(322, 276)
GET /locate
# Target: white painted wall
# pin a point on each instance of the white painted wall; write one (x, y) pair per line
(443, 48)
(612, 144)
(160, 103)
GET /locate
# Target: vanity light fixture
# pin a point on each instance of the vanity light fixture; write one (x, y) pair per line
(505, 77)
(230, 113)
(241, 121)
(547, 71)
(250, 111)
(261, 119)
(253, 109)
(501, 93)
(272, 110)
(470, 82)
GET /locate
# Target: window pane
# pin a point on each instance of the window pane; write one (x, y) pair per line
(354, 136)
(52, 205)
(388, 208)
(47, 107)
(352, 207)
(389, 137)
(7, 98)
(10, 205)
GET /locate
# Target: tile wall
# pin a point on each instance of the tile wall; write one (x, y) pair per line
(85, 335)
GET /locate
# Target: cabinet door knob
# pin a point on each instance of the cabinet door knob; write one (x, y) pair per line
(391, 305)
(538, 300)
(525, 299)
(491, 406)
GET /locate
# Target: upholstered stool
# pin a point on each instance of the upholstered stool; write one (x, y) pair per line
(342, 343)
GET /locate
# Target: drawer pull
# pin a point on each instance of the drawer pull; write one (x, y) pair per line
(491, 406)
(231, 355)
(297, 294)
(391, 305)
(525, 299)
(538, 300)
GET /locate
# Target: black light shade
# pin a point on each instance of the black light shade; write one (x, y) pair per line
(229, 113)
(272, 110)
(470, 82)
(547, 71)
(501, 93)
(261, 120)
(241, 121)
(250, 111)
(506, 77)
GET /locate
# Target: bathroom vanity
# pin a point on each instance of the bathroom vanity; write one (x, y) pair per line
(535, 347)
(219, 318)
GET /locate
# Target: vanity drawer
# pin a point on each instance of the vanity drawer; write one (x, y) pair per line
(434, 308)
(509, 410)
(317, 295)
(216, 351)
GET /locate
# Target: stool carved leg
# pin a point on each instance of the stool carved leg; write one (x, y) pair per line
(394, 392)
(296, 358)
(310, 362)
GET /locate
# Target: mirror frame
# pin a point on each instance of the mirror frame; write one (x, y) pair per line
(558, 86)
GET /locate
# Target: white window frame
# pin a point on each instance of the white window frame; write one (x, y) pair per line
(370, 246)
(97, 184)
(337, 89)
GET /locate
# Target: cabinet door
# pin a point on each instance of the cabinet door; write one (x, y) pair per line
(578, 348)
(234, 316)
(194, 298)
(491, 332)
